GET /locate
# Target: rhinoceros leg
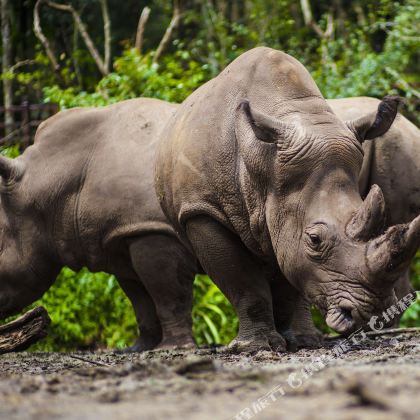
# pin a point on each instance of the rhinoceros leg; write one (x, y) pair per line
(284, 296)
(307, 335)
(402, 288)
(167, 271)
(241, 279)
(145, 310)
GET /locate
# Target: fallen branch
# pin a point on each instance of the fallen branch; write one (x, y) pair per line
(385, 331)
(18, 335)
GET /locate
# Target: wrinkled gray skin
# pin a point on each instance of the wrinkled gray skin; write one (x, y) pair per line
(83, 195)
(260, 179)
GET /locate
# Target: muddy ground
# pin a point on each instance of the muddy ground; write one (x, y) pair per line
(379, 379)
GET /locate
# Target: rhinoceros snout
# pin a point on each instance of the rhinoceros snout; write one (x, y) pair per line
(341, 319)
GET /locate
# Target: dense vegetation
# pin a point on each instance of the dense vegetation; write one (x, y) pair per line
(351, 48)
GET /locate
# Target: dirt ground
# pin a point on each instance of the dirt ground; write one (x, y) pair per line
(378, 379)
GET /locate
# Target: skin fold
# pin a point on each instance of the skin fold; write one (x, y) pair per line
(83, 195)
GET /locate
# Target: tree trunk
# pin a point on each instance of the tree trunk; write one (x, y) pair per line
(6, 64)
(18, 335)
(107, 34)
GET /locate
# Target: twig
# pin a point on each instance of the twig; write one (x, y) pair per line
(403, 83)
(140, 28)
(21, 64)
(309, 20)
(387, 331)
(43, 39)
(88, 361)
(83, 32)
(392, 331)
(168, 33)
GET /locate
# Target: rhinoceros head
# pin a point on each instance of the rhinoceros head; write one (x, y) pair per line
(329, 243)
(21, 242)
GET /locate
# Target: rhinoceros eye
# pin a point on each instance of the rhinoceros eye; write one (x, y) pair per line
(315, 239)
(316, 235)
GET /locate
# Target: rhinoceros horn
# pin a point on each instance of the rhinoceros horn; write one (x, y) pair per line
(392, 251)
(369, 219)
(9, 168)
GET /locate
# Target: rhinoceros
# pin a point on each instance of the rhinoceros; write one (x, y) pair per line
(392, 163)
(259, 178)
(83, 195)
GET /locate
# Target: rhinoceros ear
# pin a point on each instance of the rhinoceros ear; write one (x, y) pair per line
(9, 168)
(264, 127)
(376, 123)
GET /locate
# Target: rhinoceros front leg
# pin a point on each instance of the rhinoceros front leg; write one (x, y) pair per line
(241, 279)
(292, 313)
(145, 310)
(284, 303)
(167, 271)
(307, 335)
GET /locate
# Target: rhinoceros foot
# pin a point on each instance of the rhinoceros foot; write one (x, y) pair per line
(176, 343)
(309, 341)
(272, 341)
(142, 344)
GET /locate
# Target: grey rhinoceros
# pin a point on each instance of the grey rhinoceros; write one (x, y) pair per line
(260, 180)
(83, 195)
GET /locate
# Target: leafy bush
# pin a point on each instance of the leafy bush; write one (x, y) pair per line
(90, 311)
(411, 317)
(214, 319)
(134, 76)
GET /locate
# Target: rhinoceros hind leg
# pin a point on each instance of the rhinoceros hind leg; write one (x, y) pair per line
(402, 288)
(233, 268)
(167, 271)
(147, 319)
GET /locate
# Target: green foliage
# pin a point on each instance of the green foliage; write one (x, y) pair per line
(350, 66)
(134, 76)
(214, 319)
(88, 310)
(411, 317)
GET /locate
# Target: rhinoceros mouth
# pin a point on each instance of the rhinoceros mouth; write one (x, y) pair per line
(341, 320)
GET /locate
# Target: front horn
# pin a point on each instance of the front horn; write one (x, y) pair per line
(369, 219)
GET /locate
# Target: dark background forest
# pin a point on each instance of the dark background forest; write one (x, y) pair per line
(96, 52)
